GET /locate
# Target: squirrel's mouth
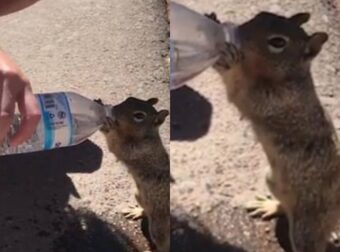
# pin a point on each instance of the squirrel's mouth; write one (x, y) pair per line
(116, 123)
(114, 118)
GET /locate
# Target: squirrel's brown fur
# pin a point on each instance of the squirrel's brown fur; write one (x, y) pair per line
(133, 137)
(271, 84)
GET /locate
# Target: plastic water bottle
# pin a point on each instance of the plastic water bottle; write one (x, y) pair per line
(67, 119)
(196, 43)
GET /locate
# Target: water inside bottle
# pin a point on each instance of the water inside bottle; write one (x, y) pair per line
(196, 43)
(83, 118)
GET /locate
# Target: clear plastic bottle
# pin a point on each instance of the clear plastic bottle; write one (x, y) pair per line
(67, 119)
(196, 43)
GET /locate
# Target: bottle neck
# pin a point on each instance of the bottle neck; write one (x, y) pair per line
(231, 33)
(108, 111)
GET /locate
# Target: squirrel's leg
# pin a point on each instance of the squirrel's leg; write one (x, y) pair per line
(307, 231)
(134, 212)
(159, 229)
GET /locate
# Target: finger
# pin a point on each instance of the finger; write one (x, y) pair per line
(6, 113)
(30, 112)
(5, 123)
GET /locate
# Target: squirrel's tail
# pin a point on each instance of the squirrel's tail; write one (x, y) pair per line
(308, 232)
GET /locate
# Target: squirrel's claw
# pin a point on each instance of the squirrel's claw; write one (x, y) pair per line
(213, 17)
(108, 125)
(99, 101)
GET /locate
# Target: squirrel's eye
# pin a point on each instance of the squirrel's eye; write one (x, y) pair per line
(139, 116)
(277, 43)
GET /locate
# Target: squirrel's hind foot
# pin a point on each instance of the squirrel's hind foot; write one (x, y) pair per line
(133, 212)
(264, 207)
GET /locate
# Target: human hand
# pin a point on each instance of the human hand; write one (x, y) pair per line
(16, 89)
(10, 6)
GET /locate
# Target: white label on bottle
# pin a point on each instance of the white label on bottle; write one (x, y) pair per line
(57, 120)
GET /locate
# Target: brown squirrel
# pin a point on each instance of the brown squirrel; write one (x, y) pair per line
(270, 83)
(133, 137)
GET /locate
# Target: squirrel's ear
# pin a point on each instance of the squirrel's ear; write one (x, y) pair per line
(152, 101)
(300, 18)
(160, 117)
(315, 44)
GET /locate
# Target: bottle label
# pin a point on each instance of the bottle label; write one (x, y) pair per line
(57, 120)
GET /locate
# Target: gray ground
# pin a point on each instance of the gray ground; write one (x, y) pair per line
(69, 200)
(215, 160)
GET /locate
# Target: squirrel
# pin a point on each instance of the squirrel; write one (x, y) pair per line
(132, 135)
(269, 81)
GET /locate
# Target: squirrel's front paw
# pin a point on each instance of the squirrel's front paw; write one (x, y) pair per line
(213, 17)
(230, 56)
(99, 101)
(108, 125)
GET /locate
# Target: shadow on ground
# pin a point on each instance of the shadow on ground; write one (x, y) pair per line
(190, 114)
(88, 233)
(34, 194)
(188, 235)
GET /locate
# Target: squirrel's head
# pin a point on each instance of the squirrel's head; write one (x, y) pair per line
(278, 44)
(137, 119)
